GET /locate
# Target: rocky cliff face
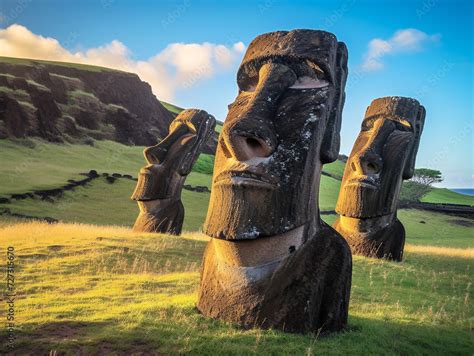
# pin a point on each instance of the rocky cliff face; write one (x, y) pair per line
(65, 102)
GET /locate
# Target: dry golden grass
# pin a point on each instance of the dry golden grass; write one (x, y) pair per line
(441, 251)
(85, 289)
(35, 231)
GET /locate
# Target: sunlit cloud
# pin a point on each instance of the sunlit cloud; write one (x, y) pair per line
(402, 41)
(177, 67)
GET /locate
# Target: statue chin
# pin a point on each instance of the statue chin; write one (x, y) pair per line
(245, 213)
(361, 202)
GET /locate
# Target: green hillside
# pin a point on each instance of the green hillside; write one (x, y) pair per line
(443, 195)
(173, 108)
(32, 62)
(34, 164)
(29, 165)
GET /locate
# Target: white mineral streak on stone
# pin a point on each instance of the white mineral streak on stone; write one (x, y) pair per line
(252, 233)
(309, 83)
(312, 118)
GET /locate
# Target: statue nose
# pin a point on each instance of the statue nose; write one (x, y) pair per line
(244, 147)
(367, 163)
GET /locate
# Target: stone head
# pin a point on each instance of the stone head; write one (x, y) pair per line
(170, 161)
(283, 125)
(383, 155)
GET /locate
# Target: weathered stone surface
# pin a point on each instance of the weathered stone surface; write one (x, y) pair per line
(272, 262)
(158, 190)
(383, 155)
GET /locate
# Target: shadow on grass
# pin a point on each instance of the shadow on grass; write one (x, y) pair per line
(196, 334)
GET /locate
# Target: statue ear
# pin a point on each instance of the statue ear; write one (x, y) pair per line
(332, 139)
(409, 169)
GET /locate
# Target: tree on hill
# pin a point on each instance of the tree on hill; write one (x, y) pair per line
(419, 185)
(426, 176)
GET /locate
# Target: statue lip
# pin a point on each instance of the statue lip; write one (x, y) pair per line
(364, 181)
(244, 178)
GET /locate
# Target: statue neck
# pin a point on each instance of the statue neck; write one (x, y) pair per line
(261, 251)
(366, 225)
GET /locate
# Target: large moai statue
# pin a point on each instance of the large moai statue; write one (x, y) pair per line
(272, 262)
(383, 155)
(158, 190)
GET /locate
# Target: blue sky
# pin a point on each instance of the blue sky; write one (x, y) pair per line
(434, 64)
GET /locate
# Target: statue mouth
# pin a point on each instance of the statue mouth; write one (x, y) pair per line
(244, 179)
(364, 181)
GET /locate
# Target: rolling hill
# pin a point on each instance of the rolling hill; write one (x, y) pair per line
(75, 103)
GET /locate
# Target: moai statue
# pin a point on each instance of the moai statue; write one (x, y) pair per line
(383, 155)
(158, 190)
(272, 262)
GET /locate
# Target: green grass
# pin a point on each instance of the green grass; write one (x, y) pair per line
(26, 168)
(38, 85)
(438, 229)
(49, 165)
(443, 195)
(16, 92)
(102, 203)
(109, 204)
(27, 104)
(31, 62)
(95, 290)
(170, 107)
(79, 93)
(7, 75)
(205, 164)
(328, 193)
(115, 107)
(336, 169)
(99, 289)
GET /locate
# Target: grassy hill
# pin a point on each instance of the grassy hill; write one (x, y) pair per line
(77, 103)
(98, 289)
(33, 164)
(34, 62)
(93, 290)
(443, 195)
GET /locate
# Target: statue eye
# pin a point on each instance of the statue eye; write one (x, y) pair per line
(404, 125)
(249, 85)
(367, 125)
(307, 82)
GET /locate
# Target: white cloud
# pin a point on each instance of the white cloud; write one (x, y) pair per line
(177, 67)
(407, 40)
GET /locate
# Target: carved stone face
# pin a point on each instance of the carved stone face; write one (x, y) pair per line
(383, 155)
(282, 126)
(170, 161)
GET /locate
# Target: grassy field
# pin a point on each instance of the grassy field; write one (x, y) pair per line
(97, 289)
(33, 164)
(103, 203)
(27, 165)
(94, 289)
(109, 204)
